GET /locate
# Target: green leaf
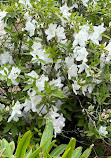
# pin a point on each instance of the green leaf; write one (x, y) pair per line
(68, 116)
(71, 145)
(50, 146)
(9, 81)
(66, 153)
(48, 156)
(77, 152)
(48, 133)
(87, 152)
(59, 150)
(22, 145)
(28, 153)
(27, 87)
(12, 145)
(90, 134)
(1, 118)
(108, 37)
(14, 130)
(81, 122)
(4, 144)
(58, 94)
(9, 21)
(36, 152)
(7, 128)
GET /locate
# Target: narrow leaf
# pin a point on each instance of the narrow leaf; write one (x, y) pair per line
(77, 152)
(71, 145)
(36, 152)
(48, 132)
(87, 152)
(59, 150)
(66, 153)
(22, 145)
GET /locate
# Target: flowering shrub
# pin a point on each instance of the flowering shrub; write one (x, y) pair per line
(55, 60)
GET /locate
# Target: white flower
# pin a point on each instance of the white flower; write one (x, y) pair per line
(85, 2)
(75, 87)
(32, 74)
(95, 36)
(58, 104)
(25, 2)
(72, 71)
(42, 55)
(40, 83)
(58, 124)
(4, 72)
(90, 88)
(14, 74)
(80, 54)
(108, 48)
(58, 64)
(31, 92)
(87, 88)
(30, 27)
(58, 119)
(60, 33)
(2, 24)
(45, 57)
(16, 112)
(57, 83)
(6, 58)
(65, 11)
(7, 108)
(53, 113)
(69, 61)
(27, 105)
(90, 108)
(34, 101)
(84, 89)
(36, 46)
(37, 49)
(2, 14)
(103, 60)
(75, 5)
(27, 16)
(102, 131)
(51, 31)
(85, 67)
(42, 110)
(1, 106)
(81, 37)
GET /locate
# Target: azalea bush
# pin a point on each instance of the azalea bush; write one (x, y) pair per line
(55, 63)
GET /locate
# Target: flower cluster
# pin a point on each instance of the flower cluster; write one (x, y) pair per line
(54, 54)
